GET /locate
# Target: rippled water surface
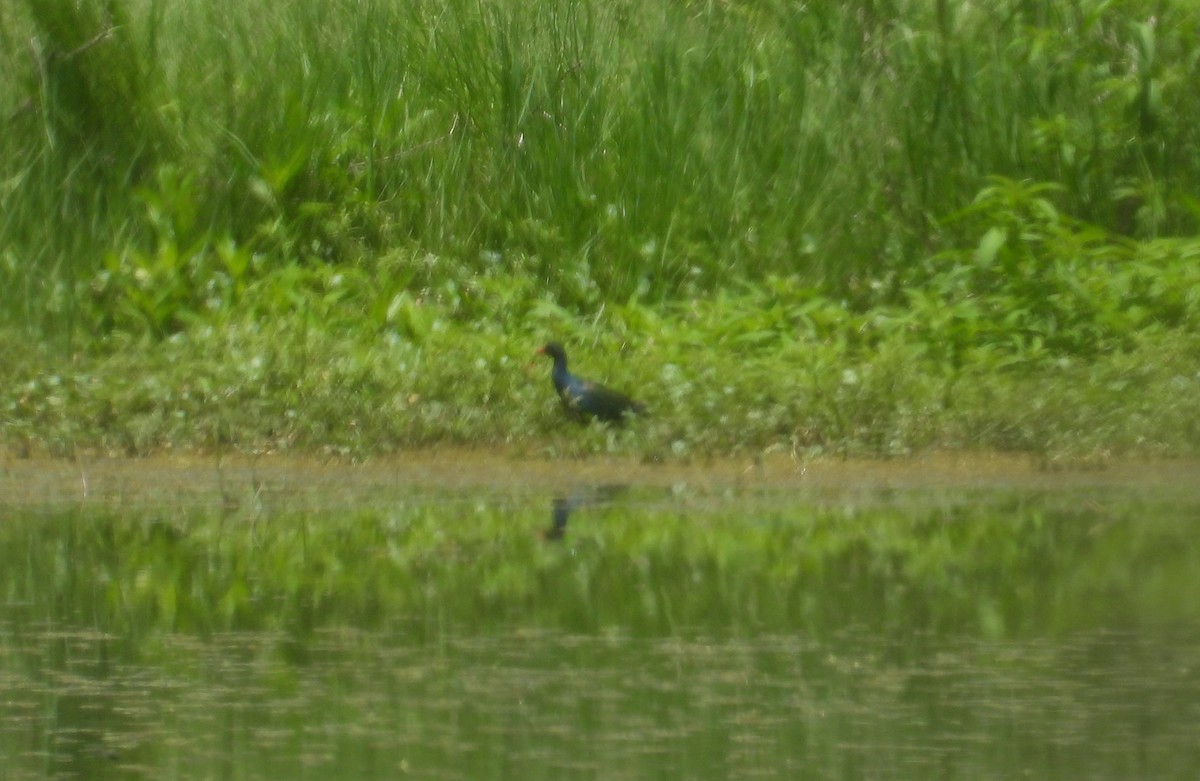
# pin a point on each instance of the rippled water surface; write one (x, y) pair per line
(605, 631)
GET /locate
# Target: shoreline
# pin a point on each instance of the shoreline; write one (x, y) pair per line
(234, 480)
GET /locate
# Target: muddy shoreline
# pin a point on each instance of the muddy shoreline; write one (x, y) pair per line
(235, 480)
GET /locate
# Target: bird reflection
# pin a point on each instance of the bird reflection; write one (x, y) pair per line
(560, 511)
(563, 506)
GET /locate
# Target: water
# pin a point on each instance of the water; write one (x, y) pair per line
(605, 632)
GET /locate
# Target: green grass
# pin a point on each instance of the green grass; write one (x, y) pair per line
(255, 384)
(874, 227)
(602, 147)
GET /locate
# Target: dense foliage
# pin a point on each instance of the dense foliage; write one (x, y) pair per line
(870, 226)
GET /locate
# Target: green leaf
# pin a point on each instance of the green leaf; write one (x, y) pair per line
(989, 245)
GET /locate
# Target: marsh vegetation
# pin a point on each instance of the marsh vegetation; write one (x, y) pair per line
(866, 228)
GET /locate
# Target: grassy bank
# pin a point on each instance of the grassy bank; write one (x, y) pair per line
(262, 385)
(868, 229)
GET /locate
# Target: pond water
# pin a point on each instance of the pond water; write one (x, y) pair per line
(567, 627)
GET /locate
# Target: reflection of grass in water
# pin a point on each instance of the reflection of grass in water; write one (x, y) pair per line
(356, 700)
(996, 568)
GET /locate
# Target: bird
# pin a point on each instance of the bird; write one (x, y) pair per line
(583, 399)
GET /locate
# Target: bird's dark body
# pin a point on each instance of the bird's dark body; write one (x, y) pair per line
(583, 399)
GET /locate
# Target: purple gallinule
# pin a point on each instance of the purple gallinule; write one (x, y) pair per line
(583, 399)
